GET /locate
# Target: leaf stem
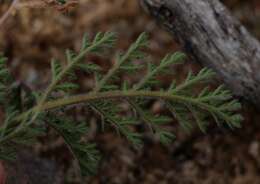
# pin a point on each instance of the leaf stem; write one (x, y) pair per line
(84, 98)
(89, 97)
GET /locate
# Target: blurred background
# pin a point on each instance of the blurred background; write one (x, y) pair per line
(34, 33)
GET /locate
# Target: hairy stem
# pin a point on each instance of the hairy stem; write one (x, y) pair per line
(83, 98)
(89, 97)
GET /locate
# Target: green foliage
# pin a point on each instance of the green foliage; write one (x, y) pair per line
(86, 153)
(26, 121)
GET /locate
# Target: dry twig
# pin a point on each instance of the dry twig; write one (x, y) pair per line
(8, 12)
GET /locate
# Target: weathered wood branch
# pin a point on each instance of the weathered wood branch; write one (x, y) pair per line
(212, 36)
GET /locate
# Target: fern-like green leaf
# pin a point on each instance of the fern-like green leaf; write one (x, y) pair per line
(26, 115)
